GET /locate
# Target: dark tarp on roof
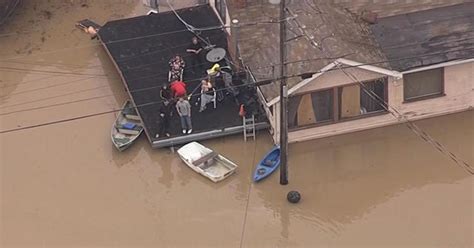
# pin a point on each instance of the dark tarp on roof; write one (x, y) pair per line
(427, 37)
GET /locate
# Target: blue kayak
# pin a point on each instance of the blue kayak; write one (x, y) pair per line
(269, 163)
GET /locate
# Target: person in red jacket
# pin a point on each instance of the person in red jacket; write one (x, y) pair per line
(178, 88)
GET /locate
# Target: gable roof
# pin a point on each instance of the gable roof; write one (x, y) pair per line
(338, 63)
(338, 32)
(427, 37)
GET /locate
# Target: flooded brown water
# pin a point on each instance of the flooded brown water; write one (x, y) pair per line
(64, 185)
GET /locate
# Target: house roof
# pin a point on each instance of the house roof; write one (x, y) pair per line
(389, 8)
(338, 32)
(141, 47)
(427, 37)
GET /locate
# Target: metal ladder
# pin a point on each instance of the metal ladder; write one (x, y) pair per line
(249, 127)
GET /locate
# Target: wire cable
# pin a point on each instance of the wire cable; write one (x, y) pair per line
(200, 78)
(131, 39)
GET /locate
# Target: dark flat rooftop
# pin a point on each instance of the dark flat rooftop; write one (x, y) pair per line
(447, 32)
(141, 48)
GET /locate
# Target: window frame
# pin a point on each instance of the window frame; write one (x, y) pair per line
(385, 96)
(429, 96)
(336, 102)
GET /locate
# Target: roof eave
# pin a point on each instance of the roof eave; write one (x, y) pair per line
(439, 65)
(329, 67)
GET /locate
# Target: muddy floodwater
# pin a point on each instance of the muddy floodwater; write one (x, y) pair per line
(64, 185)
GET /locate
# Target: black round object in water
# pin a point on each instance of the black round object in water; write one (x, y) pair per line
(293, 196)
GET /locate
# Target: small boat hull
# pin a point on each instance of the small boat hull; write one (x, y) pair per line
(126, 128)
(268, 164)
(206, 162)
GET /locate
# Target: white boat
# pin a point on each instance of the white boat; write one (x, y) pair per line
(127, 127)
(206, 162)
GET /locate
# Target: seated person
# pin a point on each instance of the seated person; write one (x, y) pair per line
(207, 94)
(178, 89)
(176, 68)
(165, 93)
(176, 62)
(176, 73)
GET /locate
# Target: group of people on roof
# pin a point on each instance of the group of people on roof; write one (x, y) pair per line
(174, 94)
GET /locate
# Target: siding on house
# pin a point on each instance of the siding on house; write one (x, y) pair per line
(459, 96)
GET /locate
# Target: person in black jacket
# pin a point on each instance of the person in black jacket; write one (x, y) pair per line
(195, 50)
(165, 112)
(165, 93)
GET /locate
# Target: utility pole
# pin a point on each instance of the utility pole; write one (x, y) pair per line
(283, 99)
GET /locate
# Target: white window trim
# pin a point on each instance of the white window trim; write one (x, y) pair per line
(450, 63)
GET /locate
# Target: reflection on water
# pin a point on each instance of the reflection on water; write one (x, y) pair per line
(65, 185)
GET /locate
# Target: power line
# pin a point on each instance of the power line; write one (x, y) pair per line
(94, 66)
(258, 83)
(82, 79)
(56, 105)
(52, 97)
(135, 38)
(16, 83)
(47, 71)
(140, 105)
(102, 113)
(154, 75)
(59, 121)
(44, 88)
(42, 63)
(93, 45)
(199, 78)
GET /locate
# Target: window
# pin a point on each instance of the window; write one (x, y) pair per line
(424, 84)
(337, 104)
(355, 100)
(310, 108)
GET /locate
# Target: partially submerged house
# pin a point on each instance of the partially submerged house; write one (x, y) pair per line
(141, 47)
(419, 60)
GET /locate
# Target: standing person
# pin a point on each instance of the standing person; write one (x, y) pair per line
(195, 50)
(165, 93)
(164, 119)
(184, 111)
